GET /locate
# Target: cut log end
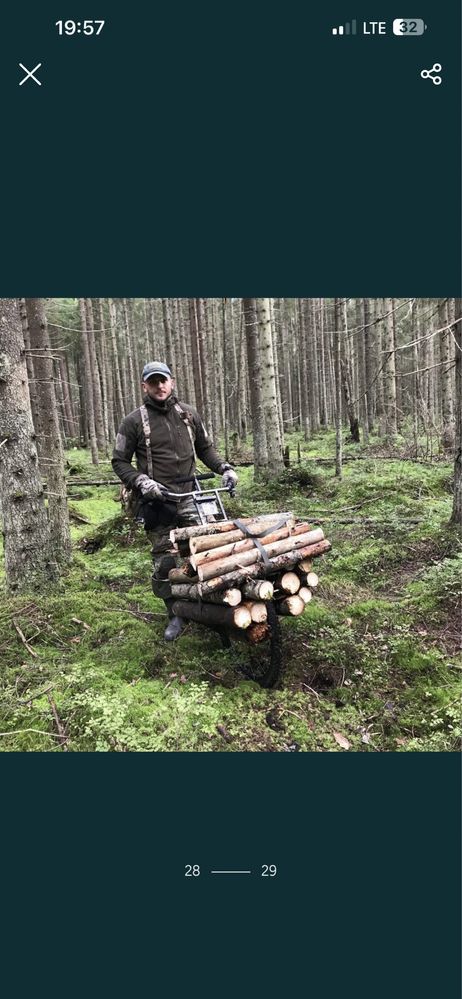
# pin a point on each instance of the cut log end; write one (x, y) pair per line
(258, 610)
(291, 606)
(289, 582)
(258, 589)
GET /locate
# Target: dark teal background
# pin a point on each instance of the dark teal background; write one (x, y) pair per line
(230, 149)
(365, 901)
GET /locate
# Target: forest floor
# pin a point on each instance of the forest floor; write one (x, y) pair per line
(373, 664)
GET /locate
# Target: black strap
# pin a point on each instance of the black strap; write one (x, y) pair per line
(256, 540)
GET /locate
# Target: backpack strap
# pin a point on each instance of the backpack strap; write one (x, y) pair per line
(147, 434)
(186, 420)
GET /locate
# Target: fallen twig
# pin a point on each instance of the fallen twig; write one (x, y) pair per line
(59, 725)
(141, 615)
(39, 731)
(24, 639)
(311, 690)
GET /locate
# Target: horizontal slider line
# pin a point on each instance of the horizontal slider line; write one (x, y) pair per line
(230, 872)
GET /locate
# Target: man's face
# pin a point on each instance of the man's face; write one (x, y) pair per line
(159, 387)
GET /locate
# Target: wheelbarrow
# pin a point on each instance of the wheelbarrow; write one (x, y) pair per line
(261, 662)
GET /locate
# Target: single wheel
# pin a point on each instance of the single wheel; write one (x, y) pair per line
(262, 662)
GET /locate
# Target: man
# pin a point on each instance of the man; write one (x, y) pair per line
(165, 436)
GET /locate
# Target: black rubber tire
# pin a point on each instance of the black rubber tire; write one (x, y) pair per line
(261, 663)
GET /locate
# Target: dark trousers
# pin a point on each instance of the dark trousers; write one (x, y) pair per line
(162, 560)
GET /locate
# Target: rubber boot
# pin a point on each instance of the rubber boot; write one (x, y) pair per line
(174, 628)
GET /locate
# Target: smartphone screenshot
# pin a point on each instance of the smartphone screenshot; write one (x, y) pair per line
(231, 499)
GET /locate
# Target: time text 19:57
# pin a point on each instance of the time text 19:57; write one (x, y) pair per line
(79, 27)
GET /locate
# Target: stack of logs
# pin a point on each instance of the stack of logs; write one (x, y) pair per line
(227, 577)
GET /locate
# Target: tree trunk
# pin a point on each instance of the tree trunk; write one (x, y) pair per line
(268, 389)
(369, 337)
(379, 388)
(363, 393)
(204, 355)
(103, 367)
(346, 367)
(88, 388)
(69, 414)
(447, 437)
(389, 368)
(128, 357)
(95, 379)
(195, 356)
(119, 402)
(456, 517)
(30, 372)
(25, 524)
(169, 357)
(260, 443)
(53, 468)
(338, 391)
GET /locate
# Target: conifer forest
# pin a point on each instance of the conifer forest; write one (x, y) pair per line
(321, 612)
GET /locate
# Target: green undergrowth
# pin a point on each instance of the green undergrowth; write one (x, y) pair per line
(371, 666)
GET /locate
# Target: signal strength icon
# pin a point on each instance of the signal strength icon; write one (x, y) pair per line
(345, 29)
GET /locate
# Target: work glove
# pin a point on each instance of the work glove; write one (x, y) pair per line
(150, 489)
(229, 479)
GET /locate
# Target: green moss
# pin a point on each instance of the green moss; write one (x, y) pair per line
(370, 659)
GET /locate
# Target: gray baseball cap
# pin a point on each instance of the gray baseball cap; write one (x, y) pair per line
(155, 368)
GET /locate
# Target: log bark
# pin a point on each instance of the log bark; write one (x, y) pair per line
(219, 617)
(291, 606)
(231, 597)
(222, 526)
(241, 576)
(289, 582)
(258, 589)
(246, 545)
(257, 527)
(216, 568)
(185, 574)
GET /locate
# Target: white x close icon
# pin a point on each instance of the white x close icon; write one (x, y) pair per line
(30, 74)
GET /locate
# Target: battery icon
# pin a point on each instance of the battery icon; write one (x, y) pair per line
(409, 26)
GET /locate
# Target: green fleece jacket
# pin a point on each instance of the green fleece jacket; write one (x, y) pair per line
(171, 445)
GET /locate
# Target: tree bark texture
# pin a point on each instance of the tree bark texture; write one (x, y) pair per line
(52, 459)
(25, 524)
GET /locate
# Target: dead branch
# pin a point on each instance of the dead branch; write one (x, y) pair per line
(24, 639)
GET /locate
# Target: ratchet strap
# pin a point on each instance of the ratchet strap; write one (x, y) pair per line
(256, 540)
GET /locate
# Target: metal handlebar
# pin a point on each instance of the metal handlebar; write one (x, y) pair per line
(198, 492)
